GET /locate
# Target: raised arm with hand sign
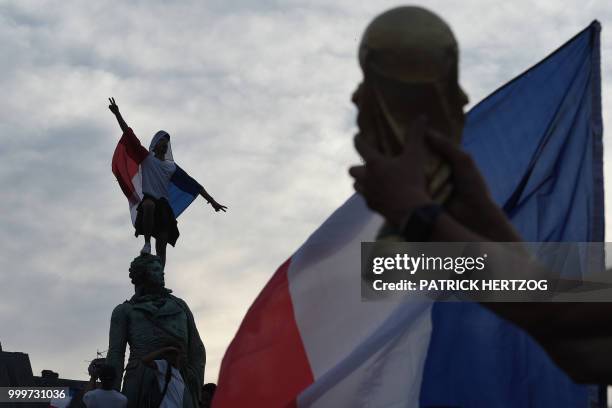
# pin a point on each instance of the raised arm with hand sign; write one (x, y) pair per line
(114, 108)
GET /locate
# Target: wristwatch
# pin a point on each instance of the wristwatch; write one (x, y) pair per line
(418, 226)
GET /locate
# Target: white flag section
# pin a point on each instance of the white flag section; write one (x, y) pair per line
(361, 353)
(356, 353)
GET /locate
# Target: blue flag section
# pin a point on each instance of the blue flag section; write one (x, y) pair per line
(538, 142)
(182, 190)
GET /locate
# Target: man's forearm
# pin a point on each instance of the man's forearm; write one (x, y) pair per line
(148, 359)
(446, 229)
(122, 124)
(485, 222)
(553, 325)
(493, 225)
(206, 196)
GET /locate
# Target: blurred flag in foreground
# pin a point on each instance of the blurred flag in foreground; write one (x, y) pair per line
(309, 341)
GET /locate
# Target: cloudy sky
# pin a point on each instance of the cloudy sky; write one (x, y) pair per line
(256, 96)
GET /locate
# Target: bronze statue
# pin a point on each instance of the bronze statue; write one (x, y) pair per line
(151, 320)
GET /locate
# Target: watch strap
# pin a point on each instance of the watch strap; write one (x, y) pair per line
(418, 227)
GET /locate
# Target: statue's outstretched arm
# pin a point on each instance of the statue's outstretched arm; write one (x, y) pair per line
(117, 341)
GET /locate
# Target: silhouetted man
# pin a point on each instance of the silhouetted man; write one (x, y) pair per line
(428, 189)
(154, 214)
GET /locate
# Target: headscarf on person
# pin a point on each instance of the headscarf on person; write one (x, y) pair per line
(156, 138)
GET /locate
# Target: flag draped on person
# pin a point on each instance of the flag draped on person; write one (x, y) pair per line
(309, 341)
(126, 165)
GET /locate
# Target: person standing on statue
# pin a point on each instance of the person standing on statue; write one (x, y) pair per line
(150, 322)
(157, 189)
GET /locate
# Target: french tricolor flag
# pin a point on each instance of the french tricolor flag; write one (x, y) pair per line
(127, 159)
(309, 340)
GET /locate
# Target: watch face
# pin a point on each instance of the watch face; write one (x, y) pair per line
(420, 224)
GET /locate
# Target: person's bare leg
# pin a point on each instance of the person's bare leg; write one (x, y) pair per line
(148, 217)
(160, 247)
